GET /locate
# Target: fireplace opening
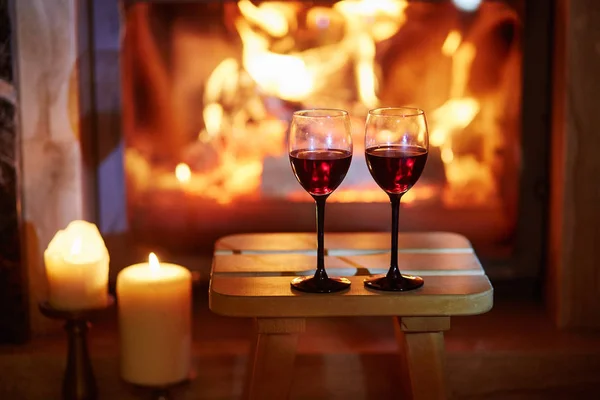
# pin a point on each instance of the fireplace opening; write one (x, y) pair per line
(208, 89)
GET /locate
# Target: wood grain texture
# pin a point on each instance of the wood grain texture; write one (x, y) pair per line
(251, 278)
(422, 361)
(280, 325)
(424, 264)
(574, 251)
(272, 358)
(247, 284)
(303, 264)
(419, 324)
(273, 297)
(276, 264)
(341, 243)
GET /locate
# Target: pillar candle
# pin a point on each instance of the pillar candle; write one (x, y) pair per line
(154, 301)
(76, 263)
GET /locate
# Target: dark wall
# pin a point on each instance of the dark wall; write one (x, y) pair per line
(13, 295)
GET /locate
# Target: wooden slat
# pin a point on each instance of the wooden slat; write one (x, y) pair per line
(273, 297)
(417, 242)
(267, 242)
(271, 369)
(418, 324)
(422, 359)
(301, 264)
(341, 243)
(420, 263)
(277, 265)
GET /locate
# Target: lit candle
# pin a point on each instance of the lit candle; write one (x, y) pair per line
(183, 173)
(155, 322)
(77, 268)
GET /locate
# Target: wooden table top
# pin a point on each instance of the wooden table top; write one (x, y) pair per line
(251, 275)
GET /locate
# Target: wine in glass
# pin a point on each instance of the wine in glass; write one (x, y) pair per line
(320, 150)
(396, 147)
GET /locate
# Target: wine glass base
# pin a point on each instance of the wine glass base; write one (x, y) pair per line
(385, 284)
(313, 285)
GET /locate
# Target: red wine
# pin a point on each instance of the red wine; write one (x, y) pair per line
(320, 172)
(396, 168)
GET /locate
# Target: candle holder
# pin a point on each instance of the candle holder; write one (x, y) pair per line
(161, 392)
(78, 381)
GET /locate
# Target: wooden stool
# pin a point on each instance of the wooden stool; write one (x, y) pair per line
(251, 278)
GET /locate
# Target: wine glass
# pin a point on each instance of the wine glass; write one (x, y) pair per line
(320, 150)
(396, 147)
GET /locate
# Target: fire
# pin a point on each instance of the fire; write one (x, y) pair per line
(153, 262)
(269, 16)
(451, 43)
(280, 75)
(183, 173)
(452, 116)
(298, 55)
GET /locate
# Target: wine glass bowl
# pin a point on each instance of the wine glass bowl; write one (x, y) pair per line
(396, 148)
(320, 152)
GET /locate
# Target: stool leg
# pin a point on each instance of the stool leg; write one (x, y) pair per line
(421, 343)
(272, 358)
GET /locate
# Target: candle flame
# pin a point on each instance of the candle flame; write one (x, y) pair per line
(183, 172)
(153, 262)
(76, 246)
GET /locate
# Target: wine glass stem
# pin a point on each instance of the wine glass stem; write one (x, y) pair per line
(394, 271)
(320, 274)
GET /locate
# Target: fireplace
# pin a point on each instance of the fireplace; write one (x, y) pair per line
(70, 151)
(208, 88)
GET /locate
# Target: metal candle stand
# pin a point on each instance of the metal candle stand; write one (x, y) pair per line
(154, 392)
(78, 381)
(162, 392)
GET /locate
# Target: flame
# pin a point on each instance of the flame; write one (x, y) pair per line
(213, 117)
(281, 75)
(365, 71)
(447, 155)
(298, 75)
(76, 246)
(294, 76)
(269, 16)
(300, 55)
(461, 66)
(183, 173)
(153, 262)
(390, 15)
(451, 43)
(222, 83)
(455, 114)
